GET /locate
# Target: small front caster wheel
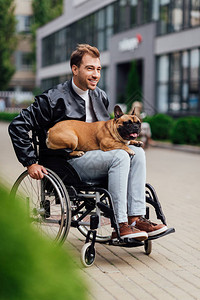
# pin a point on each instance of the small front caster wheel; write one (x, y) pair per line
(148, 246)
(88, 255)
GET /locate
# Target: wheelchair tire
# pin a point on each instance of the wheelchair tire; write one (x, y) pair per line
(47, 203)
(88, 254)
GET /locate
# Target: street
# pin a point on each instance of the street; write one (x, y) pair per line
(172, 271)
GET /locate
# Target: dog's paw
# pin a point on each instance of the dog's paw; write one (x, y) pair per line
(138, 144)
(77, 153)
(131, 152)
(80, 153)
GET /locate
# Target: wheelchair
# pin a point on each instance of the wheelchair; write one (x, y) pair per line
(61, 200)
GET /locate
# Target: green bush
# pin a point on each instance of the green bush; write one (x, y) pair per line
(186, 131)
(161, 126)
(6, 116)
(31, 267)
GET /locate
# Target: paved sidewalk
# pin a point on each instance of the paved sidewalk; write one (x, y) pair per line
(170, 146)
(172, 271)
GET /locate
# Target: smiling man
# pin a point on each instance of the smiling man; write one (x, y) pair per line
(86, 75)
(81, 99)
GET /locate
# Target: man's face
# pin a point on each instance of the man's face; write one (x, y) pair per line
(88, 74)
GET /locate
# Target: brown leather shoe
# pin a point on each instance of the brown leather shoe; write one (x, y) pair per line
(151, 228)
(129, 232)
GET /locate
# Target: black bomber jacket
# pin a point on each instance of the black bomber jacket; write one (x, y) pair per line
(54, 105)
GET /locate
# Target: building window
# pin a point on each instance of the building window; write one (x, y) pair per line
(149, 11)
(123, 20)
(185, 79)
(155, 10)
(186, 14)
(49, 83)
(178, 15)
(26, 61)
(174, 82)
(95, 29)
(24, 23)
(48, 48)
(60, 49)
(109, 23)
(23, 61)
(100, 28)
(162, 87)
(195, 13)
(102, 81)
(133, 5)
(178, 82)
(146, 10)
(125, 14)
(194, 80)
(164, 22)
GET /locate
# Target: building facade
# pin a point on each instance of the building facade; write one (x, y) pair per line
(24, 77)
(161, 37)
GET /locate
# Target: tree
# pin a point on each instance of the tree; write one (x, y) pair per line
(7, 41)
(44, 11)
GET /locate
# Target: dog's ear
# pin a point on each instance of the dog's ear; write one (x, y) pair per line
(133, 112)
(118, 112)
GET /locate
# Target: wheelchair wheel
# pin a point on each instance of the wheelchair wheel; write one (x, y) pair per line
(105, 230)
(47, 203)
(88, 254)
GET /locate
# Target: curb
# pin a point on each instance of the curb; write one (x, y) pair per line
(169, 146)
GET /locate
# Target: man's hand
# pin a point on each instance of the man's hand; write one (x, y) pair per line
(36, 171)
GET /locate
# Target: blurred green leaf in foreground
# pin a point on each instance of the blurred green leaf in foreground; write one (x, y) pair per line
(31, 267)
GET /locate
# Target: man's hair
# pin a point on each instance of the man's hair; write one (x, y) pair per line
(81, 50)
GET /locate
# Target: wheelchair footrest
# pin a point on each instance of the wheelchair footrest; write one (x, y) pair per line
(168, 231)
(126, 242)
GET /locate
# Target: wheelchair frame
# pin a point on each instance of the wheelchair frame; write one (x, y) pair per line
(61, 200)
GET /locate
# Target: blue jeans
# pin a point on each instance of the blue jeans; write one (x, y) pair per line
(126, 177)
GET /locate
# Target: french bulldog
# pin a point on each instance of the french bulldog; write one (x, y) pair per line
(80, 136)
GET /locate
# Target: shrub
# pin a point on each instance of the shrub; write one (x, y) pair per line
(186, 131)
(31, 267)
(161, 126)
(6, 116)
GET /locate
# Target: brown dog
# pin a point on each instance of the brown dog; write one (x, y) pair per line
(80, 136)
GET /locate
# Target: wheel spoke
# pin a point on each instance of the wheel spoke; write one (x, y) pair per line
(47, 203)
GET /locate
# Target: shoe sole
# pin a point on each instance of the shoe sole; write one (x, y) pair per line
(156, 232)
(136, 236)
